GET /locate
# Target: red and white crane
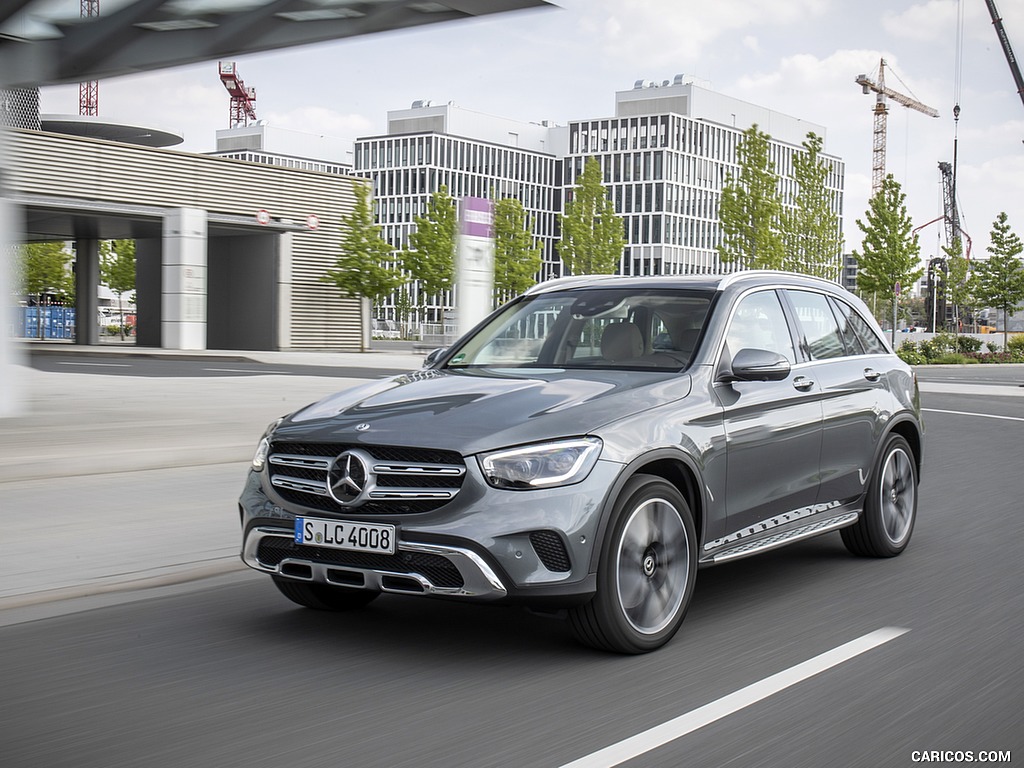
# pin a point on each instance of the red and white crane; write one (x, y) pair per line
(243, 100)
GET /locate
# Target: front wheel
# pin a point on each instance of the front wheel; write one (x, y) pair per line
(323, 597)
(890, 508)
(646, 572)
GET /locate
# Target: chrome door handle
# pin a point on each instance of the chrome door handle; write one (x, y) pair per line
(871, 374)
(803, 383)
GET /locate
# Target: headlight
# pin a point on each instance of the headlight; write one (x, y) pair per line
(259, 459)
(541, 466)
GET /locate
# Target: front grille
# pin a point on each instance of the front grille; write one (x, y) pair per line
(397, 480)
(438, 570)
(551, 551)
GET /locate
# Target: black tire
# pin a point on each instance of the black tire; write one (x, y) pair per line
(646, 572)
(890, 507)
(323, 597)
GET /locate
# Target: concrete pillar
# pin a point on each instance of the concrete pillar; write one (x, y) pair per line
(87, 282)
(183, 277)
(11, 363)
(284, 291)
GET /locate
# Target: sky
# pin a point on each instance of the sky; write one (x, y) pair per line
(799, 57)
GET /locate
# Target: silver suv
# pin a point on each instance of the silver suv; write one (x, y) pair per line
(589, 446)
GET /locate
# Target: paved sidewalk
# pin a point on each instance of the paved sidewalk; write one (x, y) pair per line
(120, 482)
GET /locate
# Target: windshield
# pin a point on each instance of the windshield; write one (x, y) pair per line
(597, 328)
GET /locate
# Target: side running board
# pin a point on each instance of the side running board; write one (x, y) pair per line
(746, 548)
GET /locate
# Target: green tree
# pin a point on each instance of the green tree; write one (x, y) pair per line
(517, 258)
(751, 208)
(1001, 277)
(363, 267)
(43, 271)
(117, 270)
(889, 253)
(592, 235)
(430, 259)
(810, 229)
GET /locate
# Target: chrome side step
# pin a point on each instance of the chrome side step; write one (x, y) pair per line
(782, 538)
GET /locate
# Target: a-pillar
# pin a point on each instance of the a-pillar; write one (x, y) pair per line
(183, 273)
(87, 281)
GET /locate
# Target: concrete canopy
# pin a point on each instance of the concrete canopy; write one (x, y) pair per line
(37, 48)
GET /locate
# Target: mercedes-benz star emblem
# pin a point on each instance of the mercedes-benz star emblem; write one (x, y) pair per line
(346, 478)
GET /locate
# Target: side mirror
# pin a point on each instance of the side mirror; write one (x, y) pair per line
(757, 365)
(433, 356)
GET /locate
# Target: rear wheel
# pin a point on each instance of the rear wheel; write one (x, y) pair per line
(646, 573)
(890, 508)
(323, 597)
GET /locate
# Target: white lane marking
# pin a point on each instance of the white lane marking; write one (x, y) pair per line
(102, 365)
(979, 415)
(662, 734)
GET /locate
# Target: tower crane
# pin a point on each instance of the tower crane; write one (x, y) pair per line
(997, 22)
(883, 92)
(89, 90)
(243, 100)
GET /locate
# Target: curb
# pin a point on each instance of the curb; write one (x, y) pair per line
(179, 574)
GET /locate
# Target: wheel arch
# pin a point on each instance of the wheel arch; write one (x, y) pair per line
(910, 431)
(672, 466)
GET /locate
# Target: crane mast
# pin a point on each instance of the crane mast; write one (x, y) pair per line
(1004, 40)
(881, 111)
(89, 90)
(951, 217)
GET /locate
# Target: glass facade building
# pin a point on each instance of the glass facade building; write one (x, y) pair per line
(665, 157)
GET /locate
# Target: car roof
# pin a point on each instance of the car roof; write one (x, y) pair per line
(706, 282)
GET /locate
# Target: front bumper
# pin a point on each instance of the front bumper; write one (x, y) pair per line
(417, 569)
(486, 544)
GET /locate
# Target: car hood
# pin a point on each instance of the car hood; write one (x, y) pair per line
(481, 410)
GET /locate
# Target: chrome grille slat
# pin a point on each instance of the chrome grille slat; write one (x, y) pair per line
(297, 484)
(409, 468)
(412, 493)
(306, 462)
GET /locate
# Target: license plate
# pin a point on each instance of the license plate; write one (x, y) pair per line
(344, 534)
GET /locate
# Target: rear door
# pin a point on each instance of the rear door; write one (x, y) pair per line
(853, 391)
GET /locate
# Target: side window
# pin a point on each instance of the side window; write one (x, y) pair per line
(860, 327)
(818, 325)
(843, 313)
(758, 322)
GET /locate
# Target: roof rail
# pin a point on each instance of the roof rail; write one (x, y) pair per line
(733, 277)
(568, 281)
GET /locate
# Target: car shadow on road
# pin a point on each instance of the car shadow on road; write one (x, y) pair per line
(400, 628)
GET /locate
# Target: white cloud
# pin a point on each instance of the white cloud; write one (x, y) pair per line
(658, 33)
(930, 21)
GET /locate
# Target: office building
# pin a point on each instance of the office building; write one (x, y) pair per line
(665, 156)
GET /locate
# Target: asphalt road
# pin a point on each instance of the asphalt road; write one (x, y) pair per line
(225, 672)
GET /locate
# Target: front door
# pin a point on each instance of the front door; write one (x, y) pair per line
(772, 428)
